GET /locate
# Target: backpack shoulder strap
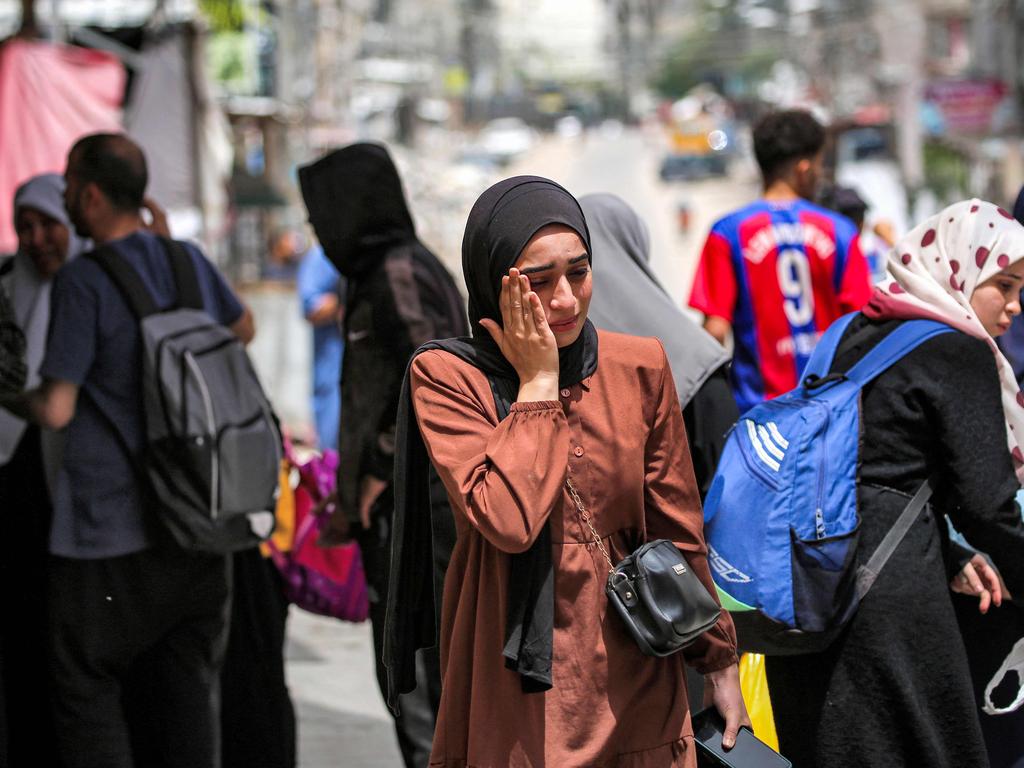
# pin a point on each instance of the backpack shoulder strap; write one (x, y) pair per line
(825, 349)
(127, 280)
(868, 572)
(185, 279)
(907, 337)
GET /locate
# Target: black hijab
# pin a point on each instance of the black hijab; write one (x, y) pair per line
(501, 223)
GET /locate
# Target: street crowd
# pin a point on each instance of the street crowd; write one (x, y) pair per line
(503, 464)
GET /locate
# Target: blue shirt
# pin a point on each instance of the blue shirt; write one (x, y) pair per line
(94, 342)
(317, 277)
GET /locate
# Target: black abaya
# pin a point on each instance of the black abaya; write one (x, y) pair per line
(895, 689)
(26, 722)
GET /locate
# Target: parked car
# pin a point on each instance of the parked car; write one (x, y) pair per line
(505, 139)
(692, 167)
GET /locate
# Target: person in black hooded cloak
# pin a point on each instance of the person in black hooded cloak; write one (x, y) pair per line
(399, 296)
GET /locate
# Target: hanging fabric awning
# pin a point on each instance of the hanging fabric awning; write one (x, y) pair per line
(50, 95)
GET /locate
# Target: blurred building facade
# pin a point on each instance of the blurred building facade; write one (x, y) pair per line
(942, 80)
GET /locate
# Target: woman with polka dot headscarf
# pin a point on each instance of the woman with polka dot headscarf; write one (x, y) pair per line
(895, 689)
(990, 276)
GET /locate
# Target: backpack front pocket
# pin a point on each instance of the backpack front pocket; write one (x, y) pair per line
(824, 580)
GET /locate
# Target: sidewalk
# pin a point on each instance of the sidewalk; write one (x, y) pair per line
(342, 719)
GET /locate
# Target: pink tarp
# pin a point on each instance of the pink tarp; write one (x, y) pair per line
(49, 96)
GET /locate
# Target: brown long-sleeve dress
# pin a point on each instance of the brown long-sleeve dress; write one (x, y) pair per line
(620, 435)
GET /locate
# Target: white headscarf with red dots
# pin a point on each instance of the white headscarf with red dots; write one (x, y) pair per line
(932, 272)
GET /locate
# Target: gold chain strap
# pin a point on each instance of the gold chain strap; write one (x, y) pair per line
(590, 523)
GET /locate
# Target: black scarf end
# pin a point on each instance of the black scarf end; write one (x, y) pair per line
(531, 680)
(535, 684)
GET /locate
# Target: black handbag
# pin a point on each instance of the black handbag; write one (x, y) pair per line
(664, 605)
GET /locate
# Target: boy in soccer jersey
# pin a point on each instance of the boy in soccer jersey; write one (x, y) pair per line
(779, 271)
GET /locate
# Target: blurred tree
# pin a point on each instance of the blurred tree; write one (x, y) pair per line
(241, 46)
(223, 15)
(720, 48)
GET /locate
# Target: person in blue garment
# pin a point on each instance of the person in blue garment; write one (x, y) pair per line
(322, 293)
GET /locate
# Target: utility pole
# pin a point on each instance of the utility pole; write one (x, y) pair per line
(480, 53)
(623, 14)
(630, 17)
(28, 28)
(901, 30)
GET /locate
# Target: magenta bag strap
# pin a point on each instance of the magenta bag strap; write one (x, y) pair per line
(312, 521)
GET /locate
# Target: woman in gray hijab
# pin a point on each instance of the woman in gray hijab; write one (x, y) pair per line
(46, 239)
(28, 462)
(642, 307)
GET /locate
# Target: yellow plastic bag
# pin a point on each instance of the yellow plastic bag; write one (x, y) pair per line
(754, 685)
(284, 529)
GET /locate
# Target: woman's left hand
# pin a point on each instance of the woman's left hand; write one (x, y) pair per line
(979, 579)
(722, 688)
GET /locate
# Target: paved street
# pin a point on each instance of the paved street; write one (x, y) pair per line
(626, 164)
(342, 719)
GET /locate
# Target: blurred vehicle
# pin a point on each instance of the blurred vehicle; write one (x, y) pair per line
(505, 139)
(692, 167)
(700, 137)
(863, 157)
(569, 127)
(859, 144)
(475, 156)
(611, 128)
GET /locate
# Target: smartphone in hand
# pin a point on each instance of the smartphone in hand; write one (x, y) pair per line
(749, 751)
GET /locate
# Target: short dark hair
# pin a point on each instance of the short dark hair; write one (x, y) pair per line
(115, 164)
(783, 138)
(846, 201)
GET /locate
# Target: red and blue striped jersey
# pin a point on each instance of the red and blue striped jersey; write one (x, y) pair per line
(780, 273)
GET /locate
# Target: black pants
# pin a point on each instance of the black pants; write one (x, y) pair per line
(26, 722)
(257, 717)
(136, 647)
(414, 725)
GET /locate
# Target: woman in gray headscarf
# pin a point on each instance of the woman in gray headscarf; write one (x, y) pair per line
(46, 239)
(642, 307)
(28, 462)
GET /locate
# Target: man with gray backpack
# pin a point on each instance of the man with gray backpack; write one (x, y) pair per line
(145, 370)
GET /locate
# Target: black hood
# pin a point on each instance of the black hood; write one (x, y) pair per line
(356, 206)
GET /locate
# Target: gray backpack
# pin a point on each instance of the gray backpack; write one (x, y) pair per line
(213, 447)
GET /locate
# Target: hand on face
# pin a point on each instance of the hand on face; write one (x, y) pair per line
(558, 266)
(524, 337)
(544, 311)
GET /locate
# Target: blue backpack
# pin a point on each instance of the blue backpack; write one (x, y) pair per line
(781, 518)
